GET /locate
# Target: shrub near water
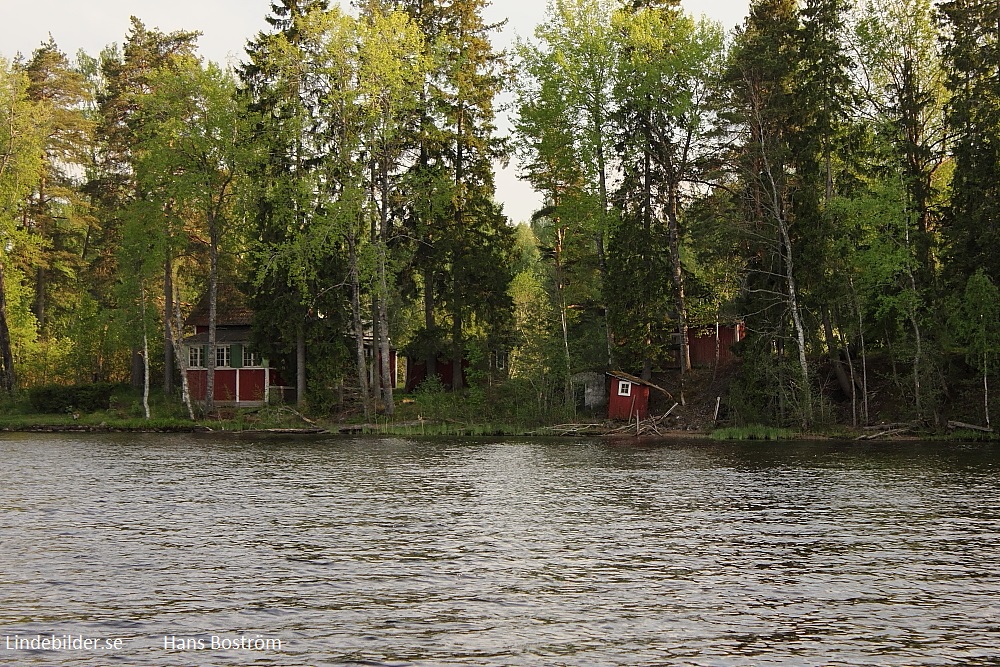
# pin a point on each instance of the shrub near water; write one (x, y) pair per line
(60, 399)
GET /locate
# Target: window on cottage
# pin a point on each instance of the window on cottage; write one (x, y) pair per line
(250, 359)
(196, 357)
(222, 356)
(624, 388)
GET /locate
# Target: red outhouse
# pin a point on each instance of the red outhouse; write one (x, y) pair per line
(628, 396)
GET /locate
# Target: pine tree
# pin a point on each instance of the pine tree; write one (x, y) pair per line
(56, 212)
(112, 188)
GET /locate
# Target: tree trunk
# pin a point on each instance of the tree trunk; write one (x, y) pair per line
(213, 292)
(39, 304)
(677, 275)
(382, 357)
(677, 279)
(986, 392)
(168, 352)
(145, 353)
(430, 325)
(800, 335)
(8, 381)
(777, 195)
(918, 352)
(176, 334)
(457, 344)
(358, 325)
(135, 368)
(833, 351)
(602, 185)
(300, 365)
(563, 310)
(647, 224)
(373, 380)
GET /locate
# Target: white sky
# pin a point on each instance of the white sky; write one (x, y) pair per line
(227, 24)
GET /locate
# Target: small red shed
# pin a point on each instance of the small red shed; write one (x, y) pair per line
(628, 396)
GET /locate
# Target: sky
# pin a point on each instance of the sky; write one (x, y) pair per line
(226, 25)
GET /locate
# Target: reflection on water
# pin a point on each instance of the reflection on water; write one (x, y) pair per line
(526, 552)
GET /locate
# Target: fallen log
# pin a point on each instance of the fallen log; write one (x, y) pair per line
(971, 427)
(882, 434)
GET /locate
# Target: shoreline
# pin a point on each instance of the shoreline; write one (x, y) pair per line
(371, 430)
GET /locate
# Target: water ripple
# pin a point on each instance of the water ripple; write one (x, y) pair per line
(531, 552)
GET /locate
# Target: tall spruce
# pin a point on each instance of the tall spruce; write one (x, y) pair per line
(459, 147)
(285, 80)
(762, 78)
(665, 125)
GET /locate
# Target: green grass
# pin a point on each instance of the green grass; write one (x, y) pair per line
(95, 421)
(753, 432)
(127, 416)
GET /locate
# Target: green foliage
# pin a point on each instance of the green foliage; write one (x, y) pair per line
(835, 188)
(977, 322)
(511, 406)
(972, 55)
(61, 399)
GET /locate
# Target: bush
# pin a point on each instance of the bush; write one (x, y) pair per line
(60, 399)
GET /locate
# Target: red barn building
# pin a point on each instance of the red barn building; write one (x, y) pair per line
(628, 396)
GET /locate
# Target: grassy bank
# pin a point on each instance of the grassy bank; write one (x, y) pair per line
(754, 432)
(432, 412)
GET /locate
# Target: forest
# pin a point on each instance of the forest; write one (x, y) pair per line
(825, 178)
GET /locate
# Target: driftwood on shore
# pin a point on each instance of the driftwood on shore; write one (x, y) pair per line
(648, 426)
(572, 429)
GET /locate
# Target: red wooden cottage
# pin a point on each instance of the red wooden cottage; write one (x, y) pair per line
(243, 377)
(628, 396)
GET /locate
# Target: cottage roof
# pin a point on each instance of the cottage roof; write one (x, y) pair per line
(231, 309)
(222, 336)
(636, 380)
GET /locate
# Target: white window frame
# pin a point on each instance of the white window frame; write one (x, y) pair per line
(624, 388)
(196, 356)
(250, 359)
(223, 356)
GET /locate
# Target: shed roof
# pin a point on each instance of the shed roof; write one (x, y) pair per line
(621, 375)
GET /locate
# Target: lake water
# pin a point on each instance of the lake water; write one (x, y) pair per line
(209, 550)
